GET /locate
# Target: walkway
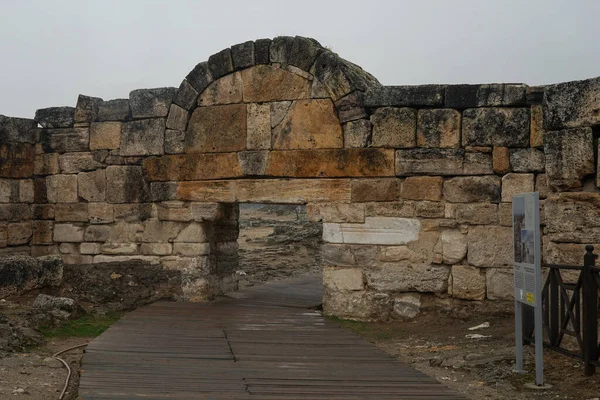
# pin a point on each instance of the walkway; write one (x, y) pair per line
(262, 343)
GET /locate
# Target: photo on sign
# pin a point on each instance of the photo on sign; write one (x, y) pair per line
(523, 234)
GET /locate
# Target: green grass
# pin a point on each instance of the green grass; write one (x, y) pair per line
(372, 331)
(87, 326)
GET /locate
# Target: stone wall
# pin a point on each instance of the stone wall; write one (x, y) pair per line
(413, 184)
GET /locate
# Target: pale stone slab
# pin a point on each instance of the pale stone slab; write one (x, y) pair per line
(375, 230)
(454, 246)
(407, 306)
(397, 277)
(343, 279)
(68, 233)
(156, 249)
(467, 283)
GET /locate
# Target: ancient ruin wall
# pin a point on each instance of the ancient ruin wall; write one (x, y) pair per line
(412, 183)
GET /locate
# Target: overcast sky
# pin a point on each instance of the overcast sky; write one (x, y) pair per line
(52, 50)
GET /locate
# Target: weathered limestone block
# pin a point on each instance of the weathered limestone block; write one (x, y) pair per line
(495, 94)
(143, 137)
(259, 121)
(186, 96)
(297, 51)
(262, 50)
(119, 248)
(343, 279)
(473, 214)
(536, 138)
(101, 213)
(573, 217)
(17, 160)
(160, 231)
(264, 83)
(212, 191)
(90, 248)
(398, 277)
(453, 246)
(253, 163)
(114, 110)
(357, 305)
(242, 55)
(199, 78)
(21, 274)
(501, 160)
(87, 108)
(226, 90)
(490, 246)
(40, 191)
(527, 160)
(405, 96)
(422, 188)
(72, 163)
(46, 164)
(174, 141)
(375, 230)
(470, 189)
(394, 127)
(404, 209)
(92, 185)
(62, 188)
(103, 233)
(194, 233)
(397, 254)
(541, 185)
(101, 258)
(163, 191)
(15, 212)
(220, 64)
(407, 306)
(18, 130)
(55, 117)
(186, 212)
(191, 249)
(467, 283)
(351, 107)
(127, 185)
(150, 103)
(572, 104)
(134, 212)
(189, 167)
(513, 184)
(349, 255)
(379, 189)
(505, 214)
(331, 163)
(68, 233)
(569, 157)
(42, 232)
(309, 124)
(71, 212)
(7, 188)
(217, 129)
(442, 162)
(496, 127)
(500, 284)
(335, 212)
(156, 249)
(438, 128)
(357, 133)
(178, 118)
(65, 140)
(26, 192)
(19, 233)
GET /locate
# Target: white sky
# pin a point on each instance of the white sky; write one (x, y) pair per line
(52, 50)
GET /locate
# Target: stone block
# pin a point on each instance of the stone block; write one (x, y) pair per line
(192, 233)
(501, 94)
(177, 119)
(507, 127)
(405, 96)
(200, 77)
(536, 137)
(101, 258)
(569, 157)
(336, 212)
(15, 212)
(380, 189)
(264, 83)
(46, 164)
(156, 249)
(217, 129)
(92, 185)
(18, 130)
(407, 306)
(151, 103)
(62, 188)
(65, 140)
(357, 133)
(394, 127)
(572, 104)
(513, 184)
(467, 283)
(102, 233)
(71, 233)
(69, 248)
(160, 231)
(253, 163)
(357, 305)
(331, 163)
(87, 108)
(490, 246)
(26, 191)
(127, 185)
(471, 189)
(119, 248)
(7, 187)
(375, 230)
(72, 163)
(174, 141)
(101, 213)
(42, 211)
(189, 167)
(90, 248)
(501, 160)
(261, 51)
(143, 137)
(186, 96)
(55, 117)
(42, 232)
(114, 110)
(163, 191)
(442, 162)
(438, 128)
(473, 213)
(399, 277)
(541, 185)
(226, 90)
(343, 279)
(527, 160)
(573, 217)
(191, 249)
(309, 124)
(259, 126)
(105, 135)
(500, 284)
(17, 160)
(422, 188)
(505, 214)
(220, 64)
(19, 233)
(242, 55)
(297, 51)
(453, 246)
(71, 212)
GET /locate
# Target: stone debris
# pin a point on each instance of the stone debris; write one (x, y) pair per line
(481, 326)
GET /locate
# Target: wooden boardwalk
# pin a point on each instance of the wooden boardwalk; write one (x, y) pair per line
(262, 343)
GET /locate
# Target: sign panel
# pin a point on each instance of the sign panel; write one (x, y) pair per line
(526, 243)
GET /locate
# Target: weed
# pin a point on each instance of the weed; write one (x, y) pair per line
(87, 326)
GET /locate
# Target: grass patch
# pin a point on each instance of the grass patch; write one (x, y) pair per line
(373, 331)
(87, 326)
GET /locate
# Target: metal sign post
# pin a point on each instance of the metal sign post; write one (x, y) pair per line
(528, 275)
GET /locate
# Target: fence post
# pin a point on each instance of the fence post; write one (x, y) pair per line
(590, 312)
(553, 305)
